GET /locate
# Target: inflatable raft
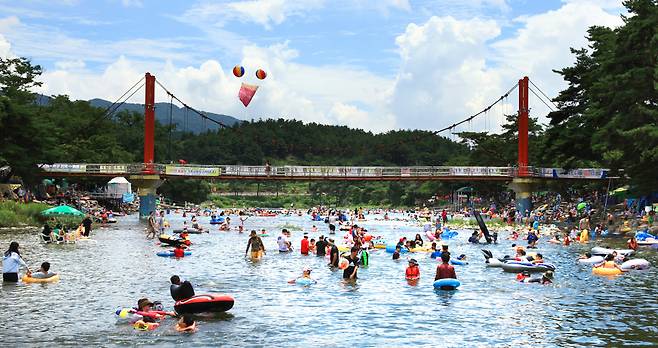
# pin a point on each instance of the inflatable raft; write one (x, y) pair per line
(52, 279)
(518, 267)
(210, 303)
(191, 231)
(605, 251)
(635, 264)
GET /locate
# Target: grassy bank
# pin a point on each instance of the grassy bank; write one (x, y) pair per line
(21, 214)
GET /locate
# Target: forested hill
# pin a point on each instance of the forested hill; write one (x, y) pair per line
(293, 142)
(182, 118)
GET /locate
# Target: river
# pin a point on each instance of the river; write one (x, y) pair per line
(382, 309)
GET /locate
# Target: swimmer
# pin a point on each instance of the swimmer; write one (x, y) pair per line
(179, 251)
(180, 290)
(186, 324)
(314, 229)
(538, 259)
(396, 254)
(412, 272)
(306, 274)
(632, 243)
(445, 270)
(43, 272)
(609, 262)
(586, 256)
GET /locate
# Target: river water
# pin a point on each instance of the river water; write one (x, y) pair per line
(382, 309)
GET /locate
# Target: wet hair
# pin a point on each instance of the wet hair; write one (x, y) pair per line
(13, 248)
(354, 250)
(45, 266)
(188, 320)
(445, 257)
(588, 254)
(609, 257)
(253, 232)
(175, 279)
(540, 256)
(312, 239)
(521, 252)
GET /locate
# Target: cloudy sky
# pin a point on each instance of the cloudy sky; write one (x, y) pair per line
(371, 64)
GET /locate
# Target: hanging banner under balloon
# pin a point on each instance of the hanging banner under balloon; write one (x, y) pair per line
(247, 92)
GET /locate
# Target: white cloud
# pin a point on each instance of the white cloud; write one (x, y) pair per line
(263, 12)
(5, 48)
(443, 75)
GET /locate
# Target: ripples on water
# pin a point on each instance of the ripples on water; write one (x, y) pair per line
(381, 309)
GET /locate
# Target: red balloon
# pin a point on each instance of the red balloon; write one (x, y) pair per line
(238, 71)
(261, 74)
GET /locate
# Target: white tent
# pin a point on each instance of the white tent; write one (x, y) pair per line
(118, 186)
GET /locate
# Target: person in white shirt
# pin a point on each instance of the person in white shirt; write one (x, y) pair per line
(11, 263)
(284, 243)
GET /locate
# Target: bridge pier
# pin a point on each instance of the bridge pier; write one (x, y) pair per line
(523, 187)
(147, 186)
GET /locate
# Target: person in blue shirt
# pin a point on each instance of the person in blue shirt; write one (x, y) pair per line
(435, 253)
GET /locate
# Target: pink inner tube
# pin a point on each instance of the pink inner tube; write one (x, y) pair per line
(430, 236)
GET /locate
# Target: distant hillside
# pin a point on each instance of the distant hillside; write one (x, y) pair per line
(194, 122)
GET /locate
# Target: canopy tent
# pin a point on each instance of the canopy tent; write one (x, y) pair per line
(118, 186)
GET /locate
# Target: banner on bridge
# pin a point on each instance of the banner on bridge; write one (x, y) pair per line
(64, 168)
(191, 171)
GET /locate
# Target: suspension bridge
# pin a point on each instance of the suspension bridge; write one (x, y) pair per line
(148, 175)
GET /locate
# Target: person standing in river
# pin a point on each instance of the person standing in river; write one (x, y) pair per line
(86, 223)
(11, 263)
(257, 246)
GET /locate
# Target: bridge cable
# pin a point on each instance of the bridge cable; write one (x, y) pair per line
(111, 109)
(203, 116)
(479, 113)
(540, 99)
(544, 94)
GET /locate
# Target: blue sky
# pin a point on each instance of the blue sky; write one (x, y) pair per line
(376, 65)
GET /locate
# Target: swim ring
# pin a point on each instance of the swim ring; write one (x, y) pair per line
(635, 264)
(171, 253)
(606, 271)
(447, 284)
(52, 279)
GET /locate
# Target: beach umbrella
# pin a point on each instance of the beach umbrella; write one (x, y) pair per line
(62, 210)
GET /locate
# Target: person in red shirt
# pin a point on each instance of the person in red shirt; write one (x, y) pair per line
(445, 270)
(179, 251)
(304, 248)
(413, 272)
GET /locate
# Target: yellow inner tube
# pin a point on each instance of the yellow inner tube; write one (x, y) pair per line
(606, 271)
(343, 248)
(52, 279)
(380, 246)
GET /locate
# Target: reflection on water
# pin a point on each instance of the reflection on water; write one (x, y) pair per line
(381, 309)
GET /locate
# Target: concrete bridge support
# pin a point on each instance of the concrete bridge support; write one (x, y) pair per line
(147, 186)
(523, 187)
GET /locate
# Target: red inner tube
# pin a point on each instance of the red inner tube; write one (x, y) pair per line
(205, 303)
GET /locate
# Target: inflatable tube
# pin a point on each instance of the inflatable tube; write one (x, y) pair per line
(209, 303)
(142, 326)
(304, 281)
(447, 284)
(430, 236)
(164, 239)
(217, 221)
(52, 279)
(420, 250)
(449, 234)
(518, 267)
(642, 236)
(170, 253)
(494, 262)
(635, 264)
(344, 248)
(648, 242)
(191, 231)
(606, 271)
(592, 260)
(391, 249)
(604, 251)
(457, 262)
(127, 315)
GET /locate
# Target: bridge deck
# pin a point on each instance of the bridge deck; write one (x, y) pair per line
(305, 173)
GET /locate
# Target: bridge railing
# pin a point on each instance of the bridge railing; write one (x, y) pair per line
(210, 171)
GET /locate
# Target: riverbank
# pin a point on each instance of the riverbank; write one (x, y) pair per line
(15, 214)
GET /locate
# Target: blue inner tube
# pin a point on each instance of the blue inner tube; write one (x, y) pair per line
(304, 281)
(217, 221)
(449, 234)
(171, 253)
(458, 262)
(391, 249)
(447, 284)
